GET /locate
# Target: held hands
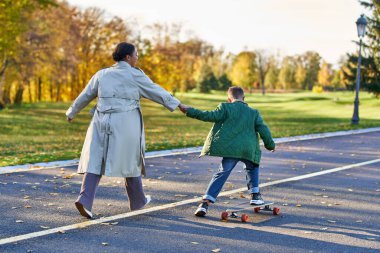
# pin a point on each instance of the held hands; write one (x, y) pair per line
(183, 108)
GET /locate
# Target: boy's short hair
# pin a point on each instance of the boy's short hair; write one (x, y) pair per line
(235, 92)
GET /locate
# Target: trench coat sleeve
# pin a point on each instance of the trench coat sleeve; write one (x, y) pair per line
(85, 97)
(155, 92)
(217, 115)
(264, 132)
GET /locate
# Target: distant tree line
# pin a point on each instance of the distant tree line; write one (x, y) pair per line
(49, 50)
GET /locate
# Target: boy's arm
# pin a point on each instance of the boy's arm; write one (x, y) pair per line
(210, 116)
(265, 133)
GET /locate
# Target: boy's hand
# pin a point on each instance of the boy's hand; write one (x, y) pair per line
(183, 108)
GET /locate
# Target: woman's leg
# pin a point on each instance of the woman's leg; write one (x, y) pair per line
(135, 193)
(87, 193)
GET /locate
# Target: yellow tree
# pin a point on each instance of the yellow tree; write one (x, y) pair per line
(325, 74)
(243, 70)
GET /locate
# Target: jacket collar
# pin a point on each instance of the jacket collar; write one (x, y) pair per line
(122, 64)
(239, 101)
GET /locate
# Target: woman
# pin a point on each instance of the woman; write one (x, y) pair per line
(115, 140)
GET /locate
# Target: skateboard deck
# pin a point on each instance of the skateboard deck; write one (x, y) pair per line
(232, 212)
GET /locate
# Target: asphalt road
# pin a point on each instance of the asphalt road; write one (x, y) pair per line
(335, 212)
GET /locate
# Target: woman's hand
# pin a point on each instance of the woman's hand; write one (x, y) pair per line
(183, 108)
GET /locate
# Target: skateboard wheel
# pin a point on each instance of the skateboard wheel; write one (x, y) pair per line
(276, 211)
(224, 216)
(256, 209)
(244, 217)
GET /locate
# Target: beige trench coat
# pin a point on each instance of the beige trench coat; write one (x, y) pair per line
(115, 140)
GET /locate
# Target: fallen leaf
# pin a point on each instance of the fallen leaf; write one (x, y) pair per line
(69, 176)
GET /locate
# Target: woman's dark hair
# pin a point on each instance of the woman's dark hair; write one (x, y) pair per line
(122, 50)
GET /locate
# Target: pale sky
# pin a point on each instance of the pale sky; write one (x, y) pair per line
(285, 26)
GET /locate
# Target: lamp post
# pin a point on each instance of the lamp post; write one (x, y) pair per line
(360, 24)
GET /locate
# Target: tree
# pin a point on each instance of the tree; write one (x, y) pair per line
(207, 80)
(371, 54)
(312, 65)
(325, 74)
(243, 71)
(224, 82)
(14, 17)
(287, 72)
(263, 65)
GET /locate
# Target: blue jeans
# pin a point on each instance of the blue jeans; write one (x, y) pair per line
(227, 165)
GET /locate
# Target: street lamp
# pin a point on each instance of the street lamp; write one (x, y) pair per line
(360, 24)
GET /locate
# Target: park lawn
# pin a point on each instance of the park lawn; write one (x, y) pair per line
(39, 132)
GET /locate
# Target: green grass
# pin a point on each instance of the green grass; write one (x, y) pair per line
(39, 132)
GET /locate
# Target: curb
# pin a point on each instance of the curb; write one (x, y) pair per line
(182, 151)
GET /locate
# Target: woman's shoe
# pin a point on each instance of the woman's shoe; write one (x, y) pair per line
(83, 211)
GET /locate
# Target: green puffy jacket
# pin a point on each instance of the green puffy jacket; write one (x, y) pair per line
(235, 131)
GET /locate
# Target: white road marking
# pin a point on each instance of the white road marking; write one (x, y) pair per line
(182, 151)
(171, 205)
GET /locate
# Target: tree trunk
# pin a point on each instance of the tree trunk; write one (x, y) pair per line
(30, 92)
(51, 90)
(2, 81)
(19, 94)
(57, 98)
(39, 89)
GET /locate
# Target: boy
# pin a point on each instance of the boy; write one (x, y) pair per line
(234, 136)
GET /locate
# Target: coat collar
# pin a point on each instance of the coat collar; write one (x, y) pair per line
(239, 101)
(122, 64)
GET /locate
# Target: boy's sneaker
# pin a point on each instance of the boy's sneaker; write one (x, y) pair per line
(201, 210)
(256, 199)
